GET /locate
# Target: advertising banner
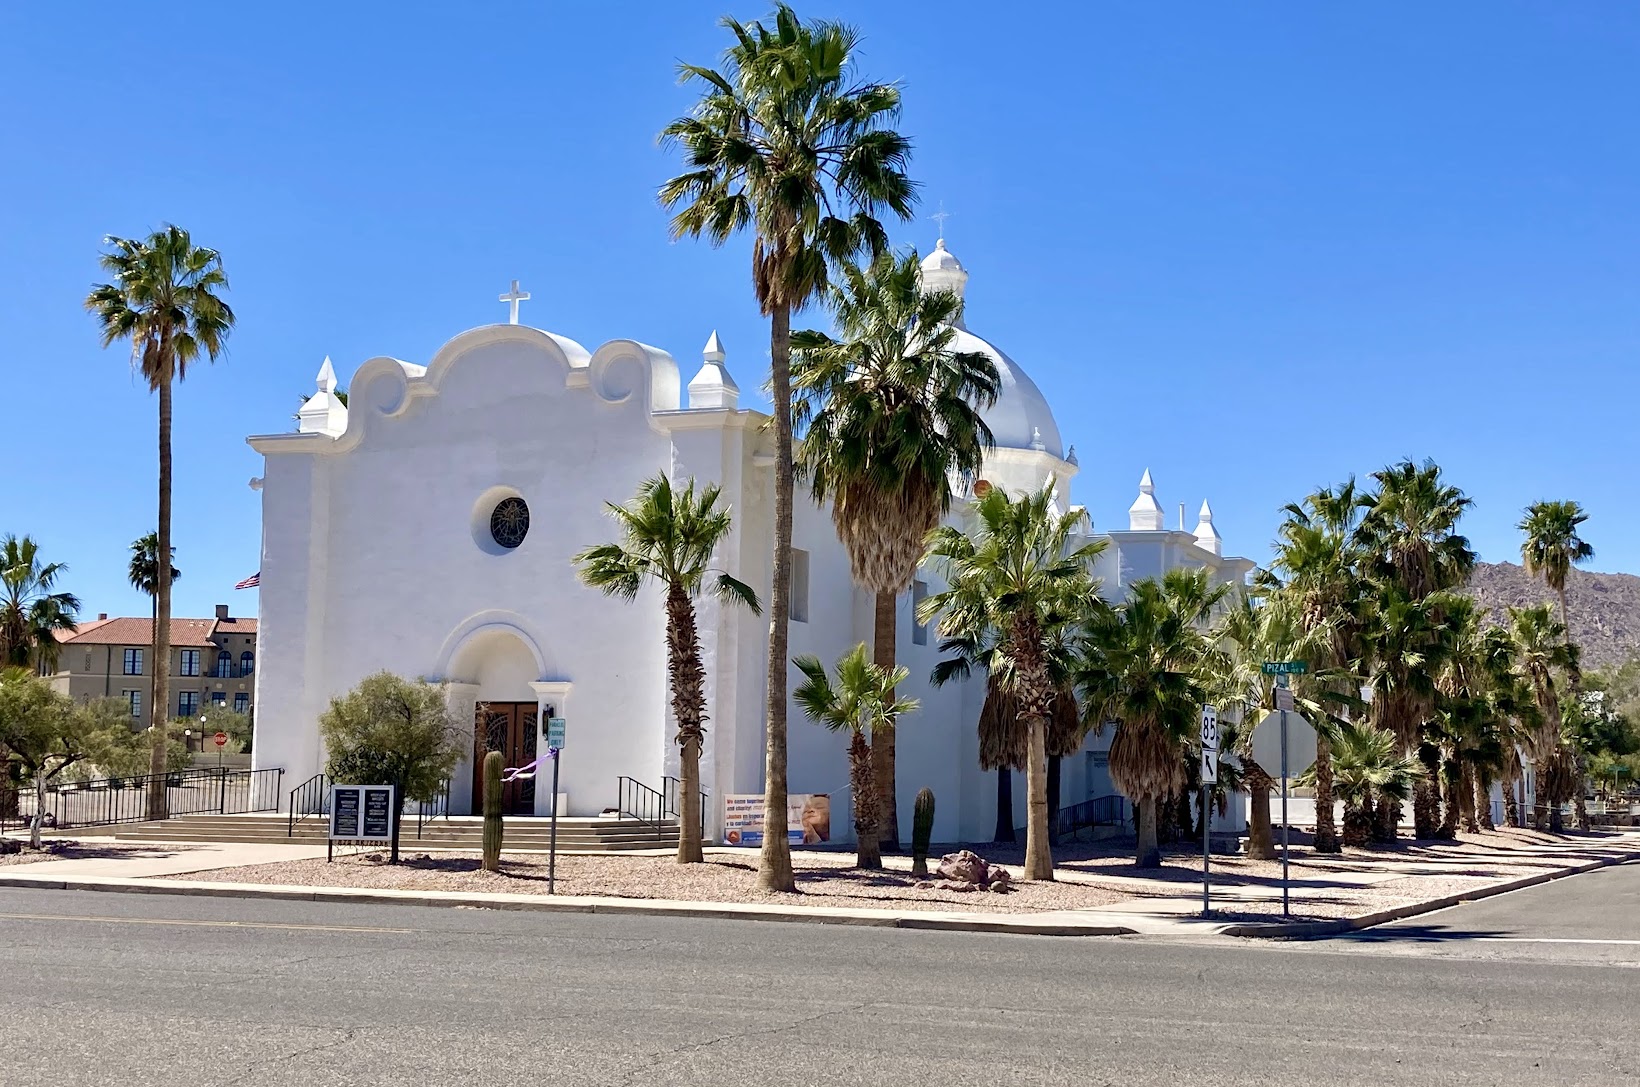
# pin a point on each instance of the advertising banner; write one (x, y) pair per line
(808, 818)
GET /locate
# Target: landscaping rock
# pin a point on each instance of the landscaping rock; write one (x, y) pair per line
(1001, 881)
(9, 846)
(963, 867)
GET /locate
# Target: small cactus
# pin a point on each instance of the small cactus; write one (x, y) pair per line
(922, 831)
(493, 763)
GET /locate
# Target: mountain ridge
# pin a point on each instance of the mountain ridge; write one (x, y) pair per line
(1605, 607)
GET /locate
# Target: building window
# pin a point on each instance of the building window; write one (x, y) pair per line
(88, 660)
(133, 662)
(224, 665)
(509, 522)
(135, 699)
(919, 631)
(219, 698)
(800, 586)
(247, 663)
(241, 702)
(190, 663)
(187, 703)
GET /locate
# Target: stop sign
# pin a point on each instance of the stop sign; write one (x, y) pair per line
(222, 739)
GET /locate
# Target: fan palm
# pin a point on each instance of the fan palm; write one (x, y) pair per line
(164, 298)
(1017, 580)
(862, 700)
(888, 411)
(1552, 546)
(668, 536)
(1369, 769)
(1541, 654)
(143, 573)
(785, 140)
(1143, 666)
(31, 612)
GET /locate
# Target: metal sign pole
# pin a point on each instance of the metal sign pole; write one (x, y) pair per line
(552, 847)
(1207, 861)
(1209, 777)
(1286, 824)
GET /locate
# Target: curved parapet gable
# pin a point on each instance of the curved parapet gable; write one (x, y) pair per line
(621, 367)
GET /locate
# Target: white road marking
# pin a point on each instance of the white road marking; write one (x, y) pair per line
(200, 924)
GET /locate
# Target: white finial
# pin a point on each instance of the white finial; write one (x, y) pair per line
(713, 387)
(1146, 484)
(512, 298)
(1207, 536)
(1036, 439)
(940, 217)
(1207, 512)
(1145, 515)
(1070, 456)
(714, 349)
(327, 377)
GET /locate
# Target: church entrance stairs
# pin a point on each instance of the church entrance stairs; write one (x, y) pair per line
(575, 835)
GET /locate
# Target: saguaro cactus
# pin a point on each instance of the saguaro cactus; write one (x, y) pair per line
(493, 763)
(922, 831)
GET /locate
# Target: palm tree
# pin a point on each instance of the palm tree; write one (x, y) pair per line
(31, 613)
(143, 573)
(1143, 667)
(1368, 768)
(668, 536)
(861, 700)
(786, 141)
(888, 410)
(1542, 651)
(1552, 546)
(1015, 580)
(164, 299)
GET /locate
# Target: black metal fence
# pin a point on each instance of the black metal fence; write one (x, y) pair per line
(107, 801)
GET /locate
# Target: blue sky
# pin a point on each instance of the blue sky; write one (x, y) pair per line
(1253, 247)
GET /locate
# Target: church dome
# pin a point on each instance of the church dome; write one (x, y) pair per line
(1021, 417)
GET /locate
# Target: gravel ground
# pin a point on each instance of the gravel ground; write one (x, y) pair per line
(823, 879)
(66, 849)
(1090, 876)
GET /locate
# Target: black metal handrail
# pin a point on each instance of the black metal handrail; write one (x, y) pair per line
(1101, 811)
(206, 790)
(672, 790)
(312, 797)
(638, 801)
(438, 806)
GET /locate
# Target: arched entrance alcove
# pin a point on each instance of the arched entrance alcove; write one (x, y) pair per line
(495, 673)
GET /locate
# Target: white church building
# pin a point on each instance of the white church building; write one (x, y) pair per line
(427, 528)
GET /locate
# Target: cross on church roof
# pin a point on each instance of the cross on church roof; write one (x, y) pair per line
(940, 217)
(512, 298)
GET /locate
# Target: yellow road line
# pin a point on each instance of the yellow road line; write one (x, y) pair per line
(198, 924)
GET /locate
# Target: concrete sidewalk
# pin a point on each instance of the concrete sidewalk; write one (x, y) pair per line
(1163, 908)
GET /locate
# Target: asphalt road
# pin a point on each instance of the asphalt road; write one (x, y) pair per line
(100, 988)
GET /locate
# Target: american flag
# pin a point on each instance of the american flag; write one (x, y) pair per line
(251, 582)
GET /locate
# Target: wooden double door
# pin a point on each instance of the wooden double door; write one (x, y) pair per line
(511, 728)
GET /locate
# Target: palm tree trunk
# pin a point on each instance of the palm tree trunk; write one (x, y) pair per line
(1386, 820)
(1261, 844)
(868, 852)
(774, 872)
(1146, 853)
(158, 712)
(36, 823)
(1483, 800)
(1426, 803)
(1326, 829)
(689, 707)
(1451, 794)
(1357, 823)
(1511, 806)
(1580, 802)
(1467, 798)
(1005, 806)
(1565, 613)
(1038, 856)
(882, 740)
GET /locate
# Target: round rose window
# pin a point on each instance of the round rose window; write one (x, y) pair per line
(510, 522)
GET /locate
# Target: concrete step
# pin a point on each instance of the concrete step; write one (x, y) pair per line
(459, 832)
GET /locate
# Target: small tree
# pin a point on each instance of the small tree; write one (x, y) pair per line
(216, 718)
(860, 702)
(392, 731)
(47, 733)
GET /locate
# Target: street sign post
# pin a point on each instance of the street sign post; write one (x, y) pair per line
(221, 739)
(557, 731)
(1210, 776)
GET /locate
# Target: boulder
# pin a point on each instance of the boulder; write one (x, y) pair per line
(963, 867)
(10, 845)
(1001, 881)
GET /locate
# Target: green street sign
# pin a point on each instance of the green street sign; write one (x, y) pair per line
(1286, 668)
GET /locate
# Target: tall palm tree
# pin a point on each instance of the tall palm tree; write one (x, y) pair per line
(1368, 767)
(31, 611)
(888, 411)
(164, 298)
(668, 537)
(787, 141)
(1143, 666)
(1552, 546)
(1016, 580)
(1542, 657)
(1416, 557)
(862, 700)
(143, 573)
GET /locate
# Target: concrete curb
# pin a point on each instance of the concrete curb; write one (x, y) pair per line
(734, 911)
(1309, 930)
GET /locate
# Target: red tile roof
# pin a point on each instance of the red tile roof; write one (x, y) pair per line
(189, 633)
